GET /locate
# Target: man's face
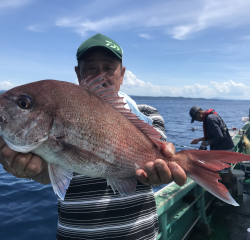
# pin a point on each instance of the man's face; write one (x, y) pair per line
(98, 61)
(199, 116)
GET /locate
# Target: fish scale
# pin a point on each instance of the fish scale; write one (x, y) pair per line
(119, 138)
(86, 129)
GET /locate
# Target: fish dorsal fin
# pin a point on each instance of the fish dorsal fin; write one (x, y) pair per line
(111, 96)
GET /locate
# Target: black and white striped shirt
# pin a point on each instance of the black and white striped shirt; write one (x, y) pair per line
(91, 210)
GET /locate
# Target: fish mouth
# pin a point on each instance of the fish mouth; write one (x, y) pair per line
(25, 148)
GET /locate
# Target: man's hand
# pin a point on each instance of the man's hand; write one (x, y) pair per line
(204, 143)
(159, 172)
(23, 165)
(195, 141)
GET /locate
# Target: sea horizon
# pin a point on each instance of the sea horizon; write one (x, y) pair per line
(179, 98)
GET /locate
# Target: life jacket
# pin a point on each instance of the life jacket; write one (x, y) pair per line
(209, 111)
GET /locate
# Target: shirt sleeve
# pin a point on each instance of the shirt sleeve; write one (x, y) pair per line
(158, 122)
(213, 126)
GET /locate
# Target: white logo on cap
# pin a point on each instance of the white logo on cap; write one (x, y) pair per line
(110, 44)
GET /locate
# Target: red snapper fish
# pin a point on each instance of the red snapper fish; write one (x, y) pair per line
(86, 129)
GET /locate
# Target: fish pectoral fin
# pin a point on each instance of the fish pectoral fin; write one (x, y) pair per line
(60, 179)
(125, 187)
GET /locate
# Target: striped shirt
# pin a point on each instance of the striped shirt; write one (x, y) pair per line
(157, 119)
(91, 210)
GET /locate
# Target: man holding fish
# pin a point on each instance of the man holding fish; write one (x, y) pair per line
(86, 141)
(90, 209)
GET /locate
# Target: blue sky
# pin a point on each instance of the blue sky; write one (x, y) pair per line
(171, 48)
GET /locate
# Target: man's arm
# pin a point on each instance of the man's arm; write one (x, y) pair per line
(23, 165)
(196, 140)
(159, 172)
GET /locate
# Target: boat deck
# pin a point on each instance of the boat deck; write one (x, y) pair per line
(227, 222)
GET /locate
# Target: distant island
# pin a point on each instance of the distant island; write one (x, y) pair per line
(176, 98)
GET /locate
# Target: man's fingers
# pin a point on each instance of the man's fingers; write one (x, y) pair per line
(8, 168)
(35, 166)
(163, 171)
(20, 163)
(6, 157)
(178, 173)
(8, 154)
(153, 178)
(169, 150)
(141, 176)
(2, 142)
(194, 141)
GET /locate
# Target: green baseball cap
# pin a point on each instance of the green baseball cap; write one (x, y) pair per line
(99, 40)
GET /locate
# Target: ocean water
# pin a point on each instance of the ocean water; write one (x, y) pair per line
(28, 210)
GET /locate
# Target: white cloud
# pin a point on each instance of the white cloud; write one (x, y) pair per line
(13, 3)
(181, 32)
(230, 89)
(144, 35)
(6, 85)
(84, 26)
(166, 16)
(216, 14)
(35, 28)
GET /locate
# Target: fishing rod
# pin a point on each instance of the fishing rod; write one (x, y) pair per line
(192, 129)
(174, 136)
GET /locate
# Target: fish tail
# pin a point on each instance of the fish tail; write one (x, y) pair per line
(203, 166)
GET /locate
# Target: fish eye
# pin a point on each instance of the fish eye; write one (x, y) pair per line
(24, 102)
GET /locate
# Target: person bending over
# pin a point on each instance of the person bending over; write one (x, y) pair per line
(216, 136)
